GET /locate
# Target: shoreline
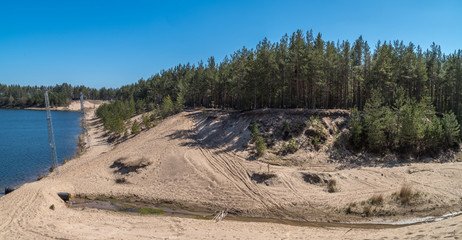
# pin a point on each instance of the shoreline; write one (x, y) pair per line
(42, 174)
(62, 109)
(74, 106)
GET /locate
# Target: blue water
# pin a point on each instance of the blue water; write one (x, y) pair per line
(24, 148)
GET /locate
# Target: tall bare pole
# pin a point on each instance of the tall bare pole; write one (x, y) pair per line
(51, 136)
(84, 119)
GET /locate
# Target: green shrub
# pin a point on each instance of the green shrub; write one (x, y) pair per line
(260, 146)
(293, 146)
(316, 141)
(126, 133)
(314, 124)
(286, 126)
(254, 133)
(135, 128)
(147, 121)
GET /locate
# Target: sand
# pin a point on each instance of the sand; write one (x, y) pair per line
(75, 106)
(185, 168)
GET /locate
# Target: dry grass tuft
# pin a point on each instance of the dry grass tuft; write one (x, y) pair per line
(405, 194)
(367, 211)
(377, 199)
(332, 186)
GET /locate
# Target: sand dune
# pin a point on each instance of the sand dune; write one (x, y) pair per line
(185, 167)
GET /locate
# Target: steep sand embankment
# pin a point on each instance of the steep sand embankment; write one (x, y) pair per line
(187, 167)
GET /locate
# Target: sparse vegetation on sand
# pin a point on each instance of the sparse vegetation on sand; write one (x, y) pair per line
(377, 199)
(405, 194)
(332, 186)
(151, 211)
(291, 147)
(121, 180)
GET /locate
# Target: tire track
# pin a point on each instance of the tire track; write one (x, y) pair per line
(240, 179)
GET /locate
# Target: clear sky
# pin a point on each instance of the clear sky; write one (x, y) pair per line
(114, 43)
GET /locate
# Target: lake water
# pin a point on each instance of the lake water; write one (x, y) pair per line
(24, 148)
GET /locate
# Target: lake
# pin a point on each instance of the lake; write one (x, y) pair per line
(24, 148)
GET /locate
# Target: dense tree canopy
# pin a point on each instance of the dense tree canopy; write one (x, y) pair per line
(15, 96)
(303, 70)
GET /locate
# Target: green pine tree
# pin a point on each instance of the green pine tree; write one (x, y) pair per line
(146, 121)
(451, 129)
(167, 107)
(373, 122)
(135, 128)
(356, 128)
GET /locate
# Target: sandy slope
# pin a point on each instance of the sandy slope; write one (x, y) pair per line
(75, 106)
(184, 170)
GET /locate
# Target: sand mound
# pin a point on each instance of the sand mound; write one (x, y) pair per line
(195, 160)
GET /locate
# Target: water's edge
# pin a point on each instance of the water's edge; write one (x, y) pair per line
(79, 148)
(111, 204)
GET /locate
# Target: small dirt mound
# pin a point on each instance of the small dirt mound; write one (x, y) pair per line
(262, 177)
(124, 166)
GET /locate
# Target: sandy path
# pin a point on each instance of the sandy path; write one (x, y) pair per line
(183, 171)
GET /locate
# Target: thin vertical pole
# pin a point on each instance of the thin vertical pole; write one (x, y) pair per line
(51, 137)
(84, 119)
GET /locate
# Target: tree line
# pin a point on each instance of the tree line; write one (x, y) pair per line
(15, 96)
(303, 70)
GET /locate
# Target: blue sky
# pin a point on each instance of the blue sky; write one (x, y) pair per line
(114, 43)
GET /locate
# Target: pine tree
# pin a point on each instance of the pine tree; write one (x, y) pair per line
(179, 103)
(135, 128)
(146, 121)
(356, 128)
(373, 122)
(167, 107)
(451, 129)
